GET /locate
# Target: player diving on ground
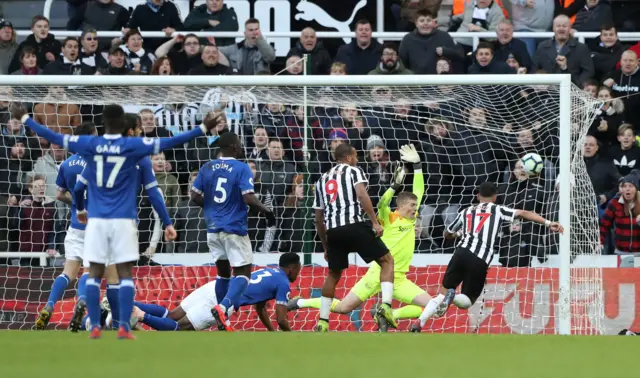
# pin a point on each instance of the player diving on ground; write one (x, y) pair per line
(399, 237)
(194, 313)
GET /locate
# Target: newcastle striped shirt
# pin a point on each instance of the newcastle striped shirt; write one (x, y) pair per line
(335, 193)
(480, 225)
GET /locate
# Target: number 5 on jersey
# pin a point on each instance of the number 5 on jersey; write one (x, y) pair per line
(221, 191)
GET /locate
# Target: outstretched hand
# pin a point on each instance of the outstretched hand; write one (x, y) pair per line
(213, 119)
(408, 154)
(17, 110)
(399, 173)
(556, 227)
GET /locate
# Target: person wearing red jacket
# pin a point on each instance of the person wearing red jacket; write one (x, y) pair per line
(624, 212)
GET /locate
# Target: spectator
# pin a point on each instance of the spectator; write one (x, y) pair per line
(608, 52)
(564, 54)
(621, 213)
(184, 58)
(190, 224)
(70, 64)
(626, 155)
(137, 58)
(116, 64)
(635, 48)
(253, 54)
(485, 62)
(151, 130)
(443, 66)
(399, 128)
(478, 16)
(350, 120)
(34, 218)
(103, 15)
(532, 16)
(272, 118)
(603, 174)
(591, 86)
(167, 182)
(89, 54)
(293, 134)
(326, 157)
(338, 68)
(8, 45)
(506, 47)
(309, 44)
(47, 167)
(260, 142)
(275, 173)
(293, 65)
(56, 112)
(421, 48)
(406, 15)
(625, 83)
(205, 148)
(290, 228)
(378, 167)
(213, 16)
(389, 62)
(155, 15)
(593, 15)
(45, 44)
(609, 117)
(363, 53)
(28, 62)
(210, 63)
(162, 66)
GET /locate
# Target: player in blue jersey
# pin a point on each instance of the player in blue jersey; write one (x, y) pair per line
(194, 313)
(224, 187)
(111, 230)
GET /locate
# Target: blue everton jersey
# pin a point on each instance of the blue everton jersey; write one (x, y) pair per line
(112, 175)
(68, 173)
(222, 183)
(265, 285)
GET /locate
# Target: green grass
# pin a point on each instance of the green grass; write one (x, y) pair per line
(308, 355)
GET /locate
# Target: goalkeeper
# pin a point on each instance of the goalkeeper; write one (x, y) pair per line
(399, 237)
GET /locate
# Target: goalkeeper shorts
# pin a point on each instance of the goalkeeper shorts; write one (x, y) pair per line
(403, 289)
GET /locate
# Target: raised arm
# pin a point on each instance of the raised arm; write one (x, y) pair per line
(533, 217)
(384, 210)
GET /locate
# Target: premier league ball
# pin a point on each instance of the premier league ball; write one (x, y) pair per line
(532, 163)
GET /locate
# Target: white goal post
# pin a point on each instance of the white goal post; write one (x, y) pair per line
(566, 153)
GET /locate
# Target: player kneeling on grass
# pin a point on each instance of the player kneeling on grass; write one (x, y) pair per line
(478, 227)
(399, 237)
(194, 313)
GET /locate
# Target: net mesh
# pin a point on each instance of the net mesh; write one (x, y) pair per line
(466, 134)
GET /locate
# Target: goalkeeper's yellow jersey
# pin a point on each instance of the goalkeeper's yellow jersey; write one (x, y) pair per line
(399, 232)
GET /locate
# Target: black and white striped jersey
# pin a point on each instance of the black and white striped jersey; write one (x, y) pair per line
(479, 226)
(178, 119)
(335, 193)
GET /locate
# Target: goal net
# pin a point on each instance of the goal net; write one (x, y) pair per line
(466, 135)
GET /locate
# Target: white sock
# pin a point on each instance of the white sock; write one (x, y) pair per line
(387, 292)
(325, 307)
(301, 303)
(462, 301)
(224, 309)
(431, 308)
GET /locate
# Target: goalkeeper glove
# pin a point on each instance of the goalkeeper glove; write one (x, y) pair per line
(408, 154)
(398, 175)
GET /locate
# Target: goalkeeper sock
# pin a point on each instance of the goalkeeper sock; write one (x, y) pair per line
(431, 308)
(93, 300)
(325, 307)
(82, 287)
(152, 309)
(407, 312)
(113, 296)
(387, 292)
(222, 286)
(127, 292)
(237, 286)
(315, 303)
(160, 324)
(57, 290)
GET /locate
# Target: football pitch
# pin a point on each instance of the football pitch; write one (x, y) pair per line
(54, 354)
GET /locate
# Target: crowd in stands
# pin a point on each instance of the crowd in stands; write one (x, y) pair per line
(451, 134)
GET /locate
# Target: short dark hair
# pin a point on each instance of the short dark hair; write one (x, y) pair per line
(64, 42)
(487, 189)
(39, 18)
(362, 21)
(424, 12)
(484, 45)
(390, 45)
(28, 50)
(590, 82)
(85, 128)
(228, 140)
(342, 151)
(406, 196)
(113, 119)
(131, 32)
(608, 26)
(252, 20)
(288, 259)
(275, 140)
(130, 122)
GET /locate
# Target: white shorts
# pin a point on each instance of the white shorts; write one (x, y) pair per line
(198, 305)
(74, 246)
(235, 248)
(111, 241)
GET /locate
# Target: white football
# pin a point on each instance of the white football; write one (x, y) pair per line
(532, 163)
